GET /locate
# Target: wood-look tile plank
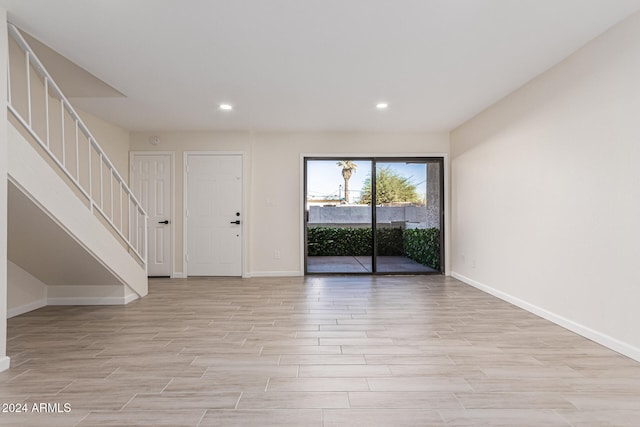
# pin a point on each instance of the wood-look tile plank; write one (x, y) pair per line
(630, 385)
(35, 385)
(436, 370)
(503, 418)
(42, 419)
(514, 400)
(302, 349)
(404, 399)
(286, 371)
(604, 400)
(383, 359)
(190, 400)
(382, 349)
(331, 334)
(120, 385)
(321, 359)
(105, 401)
(296, 399)
(159, 418)
(486, 384)
(419, 384)
(601, 417)
(318, 384)
(230, 382)
(262, 418)
(356, 341)
(342, 371)
(237, 359)
(381, 418)
(556, 371)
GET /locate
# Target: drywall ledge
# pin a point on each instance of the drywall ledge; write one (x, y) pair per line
(89, 295)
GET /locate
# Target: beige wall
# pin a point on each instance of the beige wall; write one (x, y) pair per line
(24, 291)
(545, 194)
(274, 179)
(113, 139)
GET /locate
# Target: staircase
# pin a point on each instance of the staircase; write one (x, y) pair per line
(76, 233)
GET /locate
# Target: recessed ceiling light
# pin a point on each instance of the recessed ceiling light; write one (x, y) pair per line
(226, 107)
(382, 105)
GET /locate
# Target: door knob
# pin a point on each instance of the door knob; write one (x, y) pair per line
(166, 221)
(235, 222)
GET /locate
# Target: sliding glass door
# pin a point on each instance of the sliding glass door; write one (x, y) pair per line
(345, 198)
(408, 215)
(338, 222)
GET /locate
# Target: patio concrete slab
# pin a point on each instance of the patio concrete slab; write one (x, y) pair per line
(362, 264)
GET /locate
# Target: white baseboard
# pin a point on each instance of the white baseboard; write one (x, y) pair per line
(275, 274)
(17, 311)
(596, 336)
(5, 362)
(179, 275)
(89, 300)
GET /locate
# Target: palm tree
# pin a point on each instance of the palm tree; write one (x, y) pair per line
(348, 167)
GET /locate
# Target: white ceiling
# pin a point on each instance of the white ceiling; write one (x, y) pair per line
(301, 65)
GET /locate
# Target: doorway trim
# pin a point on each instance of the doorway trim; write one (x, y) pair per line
(245, 215)
(446, 196)
(172, 192)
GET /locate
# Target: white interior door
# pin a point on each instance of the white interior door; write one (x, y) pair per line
(214, 214)
(151, 175)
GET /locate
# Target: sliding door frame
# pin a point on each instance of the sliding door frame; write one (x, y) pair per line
(439, 158)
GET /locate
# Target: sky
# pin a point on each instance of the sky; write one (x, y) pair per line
(324, 177)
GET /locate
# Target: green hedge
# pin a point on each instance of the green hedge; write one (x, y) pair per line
(420, 245)
(390, 242)
(334, 241)
(423, 246)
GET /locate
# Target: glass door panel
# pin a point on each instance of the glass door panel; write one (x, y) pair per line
(408, 215)
(339, 232)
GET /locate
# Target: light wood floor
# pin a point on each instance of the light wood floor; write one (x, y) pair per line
(341, 351)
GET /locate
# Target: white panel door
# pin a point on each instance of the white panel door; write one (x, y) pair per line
(152, 187)
(214, 215)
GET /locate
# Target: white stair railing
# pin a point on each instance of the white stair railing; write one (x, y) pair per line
(35, 102)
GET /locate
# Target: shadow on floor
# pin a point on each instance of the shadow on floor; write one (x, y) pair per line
(362, 264)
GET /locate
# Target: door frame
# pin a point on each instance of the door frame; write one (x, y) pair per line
(245, 213)
(172, 192)
(445, 188)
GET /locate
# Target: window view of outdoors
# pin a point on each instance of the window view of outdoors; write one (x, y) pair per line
(339, 210)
